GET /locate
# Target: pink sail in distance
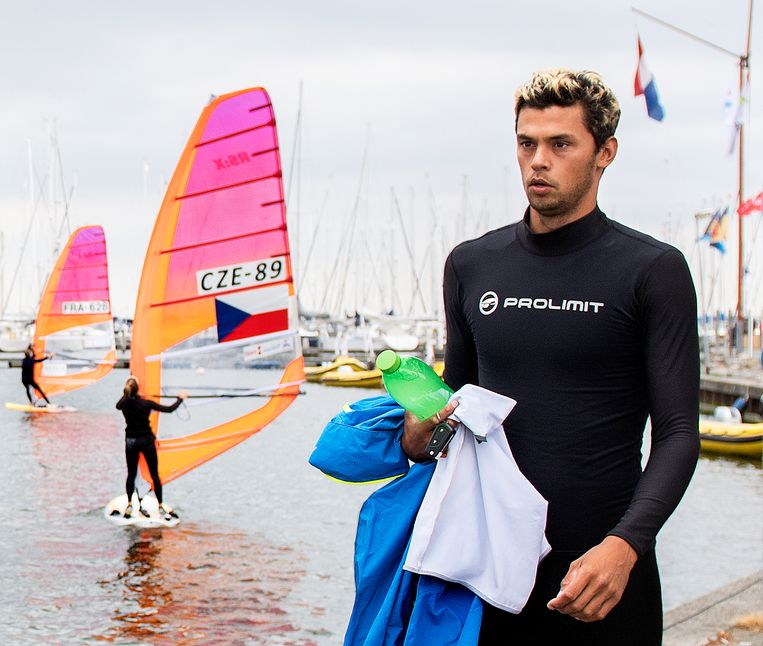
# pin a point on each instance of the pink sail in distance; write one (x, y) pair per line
(74, 320)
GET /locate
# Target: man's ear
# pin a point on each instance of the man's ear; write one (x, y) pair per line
(607, 153)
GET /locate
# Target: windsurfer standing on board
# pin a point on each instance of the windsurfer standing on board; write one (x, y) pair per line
(139, 438)
(592, 327)
(27, 374)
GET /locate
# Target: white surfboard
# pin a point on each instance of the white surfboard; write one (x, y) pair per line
(50, 408)
(115, 509)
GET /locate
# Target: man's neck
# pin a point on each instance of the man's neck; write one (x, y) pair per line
(540, 223)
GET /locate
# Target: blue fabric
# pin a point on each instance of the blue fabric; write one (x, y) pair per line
(383, 590)
(352, 448)
(363, 444)
(446, 610)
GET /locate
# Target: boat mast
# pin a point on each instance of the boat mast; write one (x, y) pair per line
(744, 74)
(296, 160)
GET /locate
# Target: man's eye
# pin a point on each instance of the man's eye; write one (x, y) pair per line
(561, 144)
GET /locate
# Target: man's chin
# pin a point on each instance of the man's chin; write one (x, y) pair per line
(547, 208)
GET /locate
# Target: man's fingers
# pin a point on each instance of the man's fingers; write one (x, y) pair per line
(592, 603)
(596, 609)
(564, 594)
(570, 591)
(442, 415)
(560, 601)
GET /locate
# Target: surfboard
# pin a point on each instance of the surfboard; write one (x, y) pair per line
(115, 509)
(50, 408)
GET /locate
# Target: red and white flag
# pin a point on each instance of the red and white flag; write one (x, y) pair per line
(751, 205)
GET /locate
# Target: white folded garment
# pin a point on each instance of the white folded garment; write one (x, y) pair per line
(481, 523)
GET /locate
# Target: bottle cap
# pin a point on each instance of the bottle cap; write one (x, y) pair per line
(388, 361)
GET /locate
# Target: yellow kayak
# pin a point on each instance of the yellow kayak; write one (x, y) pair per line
(353, 378)
(314, 373)
(348, 371)
(731, 438)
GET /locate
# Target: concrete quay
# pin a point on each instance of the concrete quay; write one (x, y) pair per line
(711, 620)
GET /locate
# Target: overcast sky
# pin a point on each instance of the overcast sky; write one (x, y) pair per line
(425, 87)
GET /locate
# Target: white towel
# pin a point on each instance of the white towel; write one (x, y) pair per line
(481, 523)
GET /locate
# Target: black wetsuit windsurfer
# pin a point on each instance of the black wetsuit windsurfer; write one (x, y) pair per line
(139, 438)
(27, 375)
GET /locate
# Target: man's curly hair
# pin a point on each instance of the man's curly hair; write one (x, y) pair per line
(564, 87)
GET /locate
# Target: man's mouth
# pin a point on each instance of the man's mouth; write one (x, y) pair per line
(538, 185)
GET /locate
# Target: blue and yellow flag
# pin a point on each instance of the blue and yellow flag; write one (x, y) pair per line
(717, 230)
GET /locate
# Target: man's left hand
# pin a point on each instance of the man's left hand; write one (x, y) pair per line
(595, 582)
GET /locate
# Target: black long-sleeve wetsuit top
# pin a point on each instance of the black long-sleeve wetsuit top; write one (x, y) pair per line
(137, 411)
(27, 368)
(591, 328)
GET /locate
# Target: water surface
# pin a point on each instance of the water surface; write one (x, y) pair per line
(263, 554)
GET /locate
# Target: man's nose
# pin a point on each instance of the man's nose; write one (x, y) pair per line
(540, 158)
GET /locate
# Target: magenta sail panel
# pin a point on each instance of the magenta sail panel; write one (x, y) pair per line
(222, 214)
(241, 112)
(234, 160)
(84, 275)
(231, 210)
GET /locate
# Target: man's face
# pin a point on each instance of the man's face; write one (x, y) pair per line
(559, 161)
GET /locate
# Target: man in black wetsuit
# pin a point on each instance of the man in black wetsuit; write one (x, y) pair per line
(27, 374)
(591, 327)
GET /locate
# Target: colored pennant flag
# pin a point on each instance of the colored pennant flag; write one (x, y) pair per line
(717, 230)
(751, 205)
(644, 84)
(735, 111)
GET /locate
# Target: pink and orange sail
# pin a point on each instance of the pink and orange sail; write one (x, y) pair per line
(74, 320)
(216, 313)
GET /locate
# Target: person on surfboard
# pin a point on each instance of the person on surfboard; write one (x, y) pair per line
(27, 374)
(139, 438)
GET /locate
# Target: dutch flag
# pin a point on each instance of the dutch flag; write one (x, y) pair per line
(644, 84)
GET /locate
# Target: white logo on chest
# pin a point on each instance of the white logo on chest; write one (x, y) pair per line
(489, 303)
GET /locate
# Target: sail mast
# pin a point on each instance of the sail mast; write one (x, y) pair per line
(744, 73)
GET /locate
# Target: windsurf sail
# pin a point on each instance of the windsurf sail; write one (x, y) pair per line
(74, 320)
(216, 313)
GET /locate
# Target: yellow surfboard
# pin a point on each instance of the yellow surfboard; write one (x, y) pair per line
(50, 408)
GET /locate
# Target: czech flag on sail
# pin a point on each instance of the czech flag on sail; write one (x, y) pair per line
(751, 205)
(717, 230)
(644, 84)
(252, 313)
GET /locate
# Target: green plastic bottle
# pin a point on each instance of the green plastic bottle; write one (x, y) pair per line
(413, 384)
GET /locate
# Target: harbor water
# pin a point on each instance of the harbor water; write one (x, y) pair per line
(263, 554)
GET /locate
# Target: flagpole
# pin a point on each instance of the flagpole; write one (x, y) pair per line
(705, 342)
(744, 71)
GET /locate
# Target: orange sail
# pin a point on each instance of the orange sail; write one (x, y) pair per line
(74, 321)
(216, 313)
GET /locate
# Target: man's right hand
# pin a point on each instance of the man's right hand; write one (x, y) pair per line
(417, 433)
